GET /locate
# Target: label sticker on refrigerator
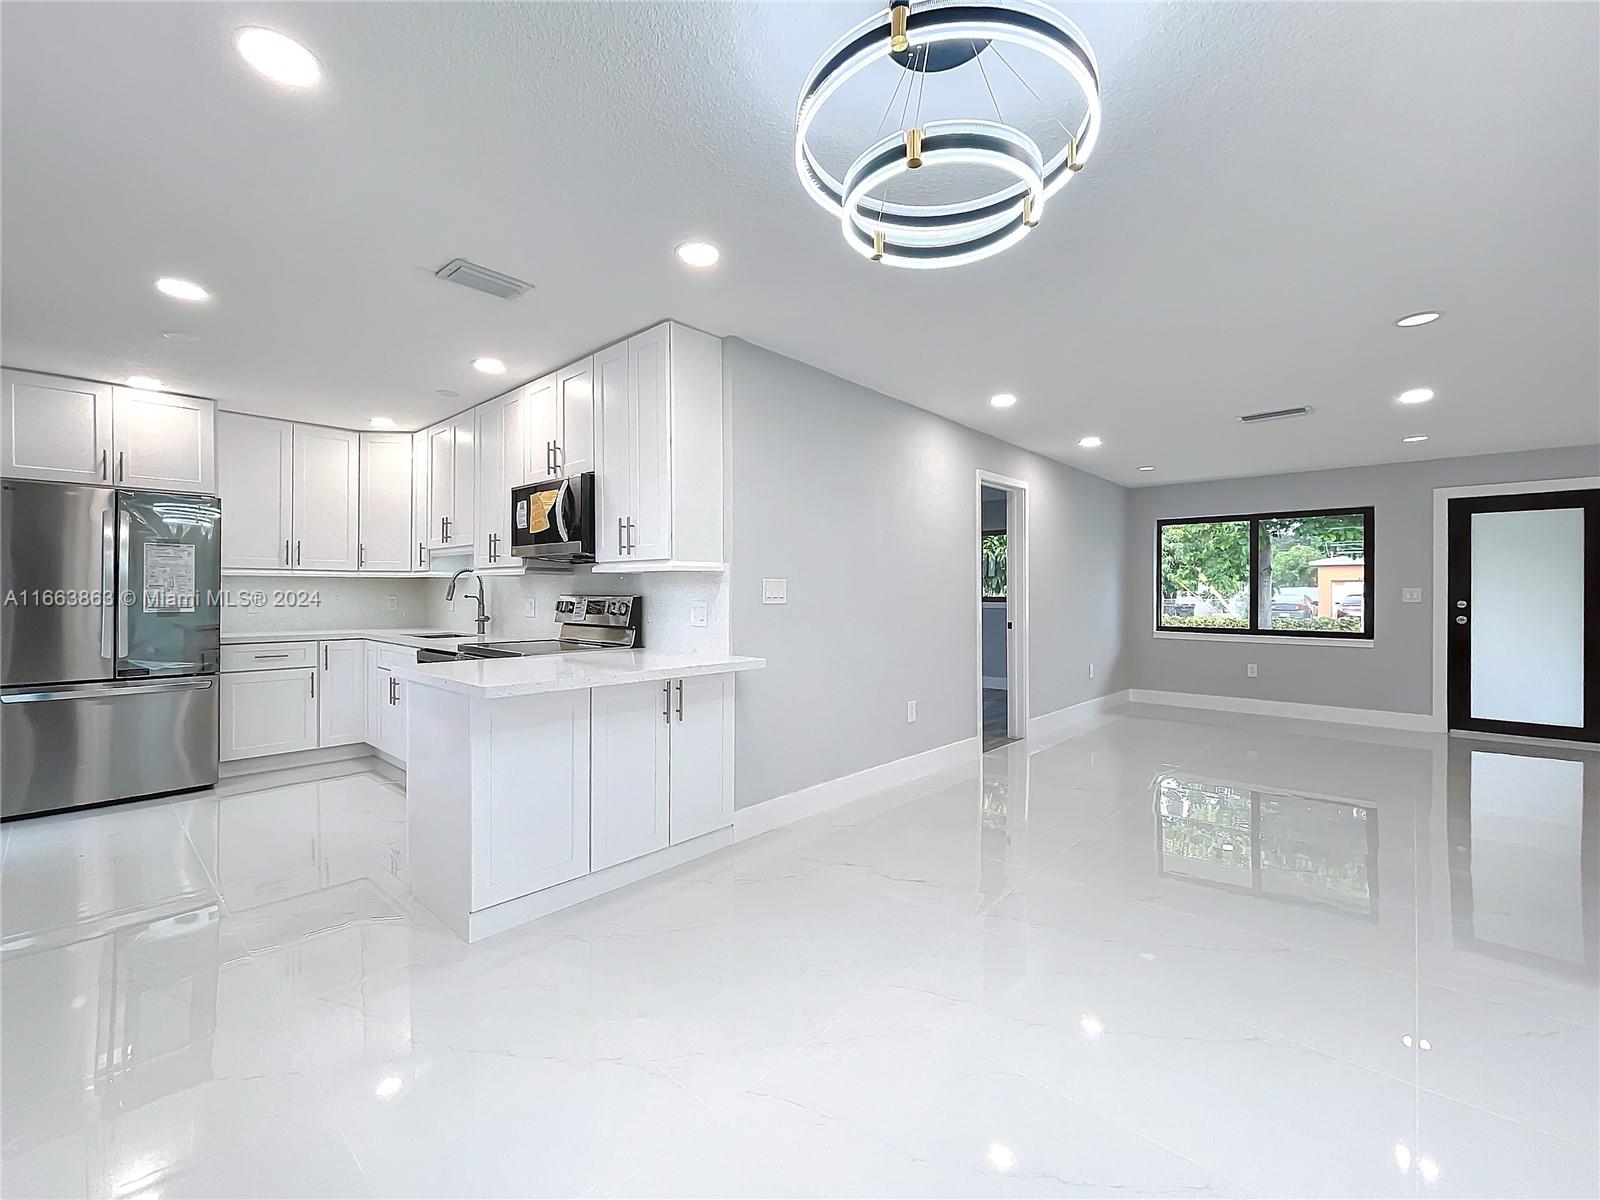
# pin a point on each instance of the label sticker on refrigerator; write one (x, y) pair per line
(168, 577)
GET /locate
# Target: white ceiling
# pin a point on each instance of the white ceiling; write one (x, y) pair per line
(1275, 184)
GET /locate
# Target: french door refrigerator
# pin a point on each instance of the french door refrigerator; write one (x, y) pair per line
(110, 638)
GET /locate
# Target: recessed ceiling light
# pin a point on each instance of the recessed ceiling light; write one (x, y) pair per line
(383, 422)
(1421, 437)
(447, 393)
(172, 335)
(698, 254)
(1002, 400)
(278, 57)
(1415, 396)
(148, 383)
(1147, 468)
(1090, 442)
(1412, 320)
(489, 366)
(181, 289)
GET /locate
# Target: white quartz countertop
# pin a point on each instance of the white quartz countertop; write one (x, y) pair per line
(396, 637)
(498, 678)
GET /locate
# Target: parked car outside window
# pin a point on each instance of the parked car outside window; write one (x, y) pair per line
(1353, 605)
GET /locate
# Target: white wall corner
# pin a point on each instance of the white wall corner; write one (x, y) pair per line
(1061, 720)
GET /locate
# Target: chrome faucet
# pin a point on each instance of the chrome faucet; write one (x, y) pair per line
(482, 619)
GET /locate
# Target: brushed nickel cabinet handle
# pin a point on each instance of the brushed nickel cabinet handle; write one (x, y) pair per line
(286, 552)
(297, 552)
(313, 685)
(666, 701)
(680, 700)
(103, 454)
(122, 465)
(619, 536)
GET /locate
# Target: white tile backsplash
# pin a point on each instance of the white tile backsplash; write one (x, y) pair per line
(667, 600)
(255, 604)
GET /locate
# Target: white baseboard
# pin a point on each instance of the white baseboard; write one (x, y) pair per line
(835, 793)
(995, 682)
(233, 768)
(1061, 719)
(1379, 718)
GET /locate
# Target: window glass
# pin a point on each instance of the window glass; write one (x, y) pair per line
(1312, 573)
(994, 566)
(1205, 575)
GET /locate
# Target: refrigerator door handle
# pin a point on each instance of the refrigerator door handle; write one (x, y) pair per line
(108, 585)
(124, 568)
(109, 689)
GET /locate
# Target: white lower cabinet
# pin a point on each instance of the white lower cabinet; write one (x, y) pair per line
(630, 743)
(531, 823)
(701, 776)
(268, 712)
(342, 694)
(386, 700)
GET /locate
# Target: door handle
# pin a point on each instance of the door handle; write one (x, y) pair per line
(122, 465)
(324, 658)
(561, 457)
(108, 585)
(361, 556)
(666, 701)
(103, 454)
(620, 550)
(680, 701)
(124, 575)
(286, 552)
(264, 657)
(420, 559)
(297, 552)
(104, 690)
(313, 685)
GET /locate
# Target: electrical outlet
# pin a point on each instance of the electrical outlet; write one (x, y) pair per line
(697, 614)
(1091, 670)
(1250, 670)
(911, 712)
(1411, 595)
(528, 607)
(394, 603)
(774, 591)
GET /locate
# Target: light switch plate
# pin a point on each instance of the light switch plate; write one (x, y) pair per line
(1250, 670)
(697, 614)
(774, 591)
(1411, 595)
(528, 607)
(394, 602)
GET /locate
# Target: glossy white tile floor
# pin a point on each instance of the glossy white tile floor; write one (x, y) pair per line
(1160, 957)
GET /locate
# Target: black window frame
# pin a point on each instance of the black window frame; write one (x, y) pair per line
(1253, 520)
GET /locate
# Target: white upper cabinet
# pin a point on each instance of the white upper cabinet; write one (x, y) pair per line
(327, 489)
(419, 499)
(441, 484)
(501, 461)
(255, 466)
(541, 414)
(54, 428)
(163, 441)
(464, 480)
(574, 450)
(385, 502)
(659, 427)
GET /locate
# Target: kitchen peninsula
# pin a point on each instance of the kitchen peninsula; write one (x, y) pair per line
(534, 784)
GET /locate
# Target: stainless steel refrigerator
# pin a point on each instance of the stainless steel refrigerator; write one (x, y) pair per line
(110, 644)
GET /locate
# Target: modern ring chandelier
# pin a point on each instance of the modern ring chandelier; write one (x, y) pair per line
(924, 38)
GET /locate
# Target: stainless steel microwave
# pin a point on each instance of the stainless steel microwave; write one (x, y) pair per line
(554, 519)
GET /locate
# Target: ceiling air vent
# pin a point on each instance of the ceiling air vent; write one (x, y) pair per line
(1276, 414)
(482, 279)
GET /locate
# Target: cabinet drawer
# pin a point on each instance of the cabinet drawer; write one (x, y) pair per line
(269, 656)
(388, 657)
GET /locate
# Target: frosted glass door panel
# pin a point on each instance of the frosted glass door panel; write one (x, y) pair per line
(1527, 616)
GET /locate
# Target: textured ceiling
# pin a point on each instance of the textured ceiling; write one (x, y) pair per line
(1275, 184)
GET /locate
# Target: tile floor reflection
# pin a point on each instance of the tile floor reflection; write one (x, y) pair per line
(1167, 955)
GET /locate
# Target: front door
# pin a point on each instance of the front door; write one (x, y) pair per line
(1524, 614)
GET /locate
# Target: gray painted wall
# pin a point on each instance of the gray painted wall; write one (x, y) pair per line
(867, 506)
(1393, 673)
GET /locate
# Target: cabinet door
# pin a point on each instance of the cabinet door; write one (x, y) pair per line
(629, 739)
(614, 461)
(542, 413)
(164, 442)
(441, 484)
(386, 718)
(419, 499)
(575, 401)
(650, 406)
(255, 478)
(491, 446)
(464, 483)
(268, 712)
(530, 817)
(327, 498)
(53, 428)
(342, 694)
(385, 502)
(702, 756)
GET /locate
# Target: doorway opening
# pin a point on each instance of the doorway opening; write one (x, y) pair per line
(1523, 655)
(1002, 609)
